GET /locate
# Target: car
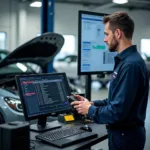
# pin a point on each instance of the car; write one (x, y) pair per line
(36, 52)
(3, 54)
(68, 64)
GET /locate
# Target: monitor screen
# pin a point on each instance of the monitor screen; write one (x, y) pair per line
(43, 94)
(93, 54)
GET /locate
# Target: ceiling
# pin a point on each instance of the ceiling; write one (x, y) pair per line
(132, 4)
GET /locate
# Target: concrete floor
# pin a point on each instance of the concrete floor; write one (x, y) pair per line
(101, 94)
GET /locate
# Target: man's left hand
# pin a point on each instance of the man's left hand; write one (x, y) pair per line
(82, 107)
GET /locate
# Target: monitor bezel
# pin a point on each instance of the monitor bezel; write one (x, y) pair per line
(80, 13)
(27, 118)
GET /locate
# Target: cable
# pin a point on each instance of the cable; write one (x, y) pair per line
(32, 145)
(35, 140)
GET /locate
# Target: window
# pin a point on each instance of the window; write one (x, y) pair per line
(38, 34)
(68, 47)
(69, 44)
(2, 40)
(145, 47)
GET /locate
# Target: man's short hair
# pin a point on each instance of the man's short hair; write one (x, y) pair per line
(122, 21)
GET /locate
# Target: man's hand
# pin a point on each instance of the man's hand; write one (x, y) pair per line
(82, 106)
(81, 98)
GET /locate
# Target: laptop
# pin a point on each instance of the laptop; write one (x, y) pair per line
(45, 94)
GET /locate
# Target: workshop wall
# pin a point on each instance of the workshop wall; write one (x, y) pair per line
(22, 22)
(66, 20)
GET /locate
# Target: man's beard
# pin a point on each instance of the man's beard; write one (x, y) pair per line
(113, 45)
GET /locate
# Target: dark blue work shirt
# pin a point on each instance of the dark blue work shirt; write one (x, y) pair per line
(128, 92)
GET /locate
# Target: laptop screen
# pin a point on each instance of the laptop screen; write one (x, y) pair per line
(43, 94)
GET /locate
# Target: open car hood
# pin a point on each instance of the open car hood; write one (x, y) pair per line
(40, 50)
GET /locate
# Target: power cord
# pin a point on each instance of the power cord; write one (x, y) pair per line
(32, 145)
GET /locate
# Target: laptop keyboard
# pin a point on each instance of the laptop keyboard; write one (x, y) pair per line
(59, 133)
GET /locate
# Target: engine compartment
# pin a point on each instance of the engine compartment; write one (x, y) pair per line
(9, 85)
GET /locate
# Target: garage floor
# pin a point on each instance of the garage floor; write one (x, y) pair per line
(101, 94)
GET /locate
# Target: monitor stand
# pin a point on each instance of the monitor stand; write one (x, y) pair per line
(42, 125)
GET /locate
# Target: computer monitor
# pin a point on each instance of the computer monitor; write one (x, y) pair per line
(93, 54)
(42, 95)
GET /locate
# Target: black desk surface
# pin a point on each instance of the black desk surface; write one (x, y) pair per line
(99, 129)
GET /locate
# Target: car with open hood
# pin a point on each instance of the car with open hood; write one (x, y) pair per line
(30, 58)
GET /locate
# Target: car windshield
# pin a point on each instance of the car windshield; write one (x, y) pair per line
(3, 54)
(19, 68)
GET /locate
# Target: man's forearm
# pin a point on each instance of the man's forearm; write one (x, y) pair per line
(100, 102)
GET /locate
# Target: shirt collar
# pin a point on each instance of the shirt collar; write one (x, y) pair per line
(126, 52)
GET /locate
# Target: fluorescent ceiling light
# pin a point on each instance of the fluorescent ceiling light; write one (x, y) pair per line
(36, 4)
(120, 1)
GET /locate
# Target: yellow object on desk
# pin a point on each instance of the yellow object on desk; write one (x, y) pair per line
(66, 118)
(69, 118)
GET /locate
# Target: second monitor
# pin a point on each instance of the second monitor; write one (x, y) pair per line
(42, 95)
(93, 54)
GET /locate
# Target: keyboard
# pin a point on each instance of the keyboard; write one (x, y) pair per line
(60, 133)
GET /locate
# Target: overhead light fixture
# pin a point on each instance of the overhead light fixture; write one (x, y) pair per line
(36, 4)
(120, 1)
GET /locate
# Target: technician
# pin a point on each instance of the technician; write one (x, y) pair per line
(124, 110)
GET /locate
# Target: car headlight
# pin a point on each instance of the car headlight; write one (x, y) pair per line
(14, 103)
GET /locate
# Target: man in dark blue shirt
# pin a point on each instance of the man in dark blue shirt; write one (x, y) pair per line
(125, 109)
